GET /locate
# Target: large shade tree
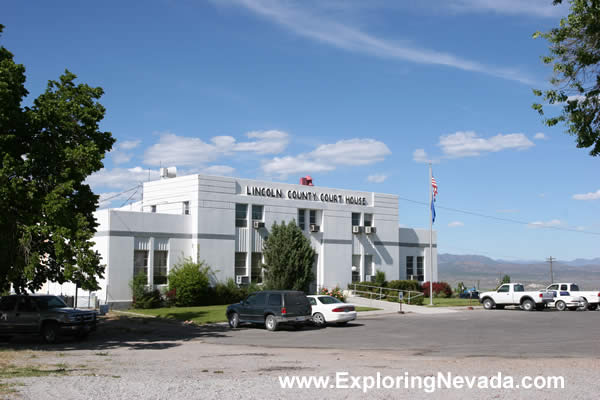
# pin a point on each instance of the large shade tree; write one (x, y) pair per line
(47, 150)
(289, 258)
(575, 86)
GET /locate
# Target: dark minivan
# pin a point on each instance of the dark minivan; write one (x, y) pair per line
(272, 308)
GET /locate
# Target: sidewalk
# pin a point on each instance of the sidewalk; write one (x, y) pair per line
(388, 307)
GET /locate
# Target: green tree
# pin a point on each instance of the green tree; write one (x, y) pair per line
(191, 283)
(575, 57)
(289, 258)
(505, 279)
(47, 150)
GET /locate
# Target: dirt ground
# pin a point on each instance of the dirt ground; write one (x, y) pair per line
(146, 358)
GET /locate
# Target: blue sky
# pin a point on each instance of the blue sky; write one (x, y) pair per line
(357, 94)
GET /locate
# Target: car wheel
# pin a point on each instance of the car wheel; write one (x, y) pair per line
(592, 307)
(528, 305)
(50, 332)
(488, 304)
(319, 319)
(271, 323)
(234, 320)
(584, 306)
(560, 305)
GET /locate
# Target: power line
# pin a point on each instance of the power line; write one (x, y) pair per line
(119, 194)
(133, 194)
(514, 221)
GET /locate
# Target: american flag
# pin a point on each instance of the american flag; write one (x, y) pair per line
(434, 186)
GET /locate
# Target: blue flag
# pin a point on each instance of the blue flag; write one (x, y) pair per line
(432, 212)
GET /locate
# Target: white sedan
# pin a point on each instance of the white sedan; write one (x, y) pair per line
(329, 309)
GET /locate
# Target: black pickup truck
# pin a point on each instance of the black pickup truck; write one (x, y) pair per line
(44, 315)
(272, 308)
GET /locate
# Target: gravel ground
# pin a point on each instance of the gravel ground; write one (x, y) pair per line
(148, 359)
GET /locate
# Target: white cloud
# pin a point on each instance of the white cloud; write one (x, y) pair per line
(588, 196)
(542, 224)
(377, 178)
(536, 8)
(455, 224)
(468, 144)
(128, 144)
(120, 178)
(328, 157)
(420, 155)
(304, 21)
(352, 152)
(119, 157)
(284, 166)
(540, 136)
(221, 170)
(191, 151)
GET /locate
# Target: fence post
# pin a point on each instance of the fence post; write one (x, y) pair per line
(409, 297)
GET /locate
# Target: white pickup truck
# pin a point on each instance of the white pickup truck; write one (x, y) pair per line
(569, 295)
(514, 294)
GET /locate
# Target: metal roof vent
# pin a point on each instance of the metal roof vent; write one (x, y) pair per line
(166, 173)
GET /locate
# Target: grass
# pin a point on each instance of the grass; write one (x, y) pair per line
(198, 315)
(13, 371)
(360, 309)
(451, 302)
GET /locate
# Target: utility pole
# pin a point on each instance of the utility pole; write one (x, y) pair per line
(550, 260)
(430, 238)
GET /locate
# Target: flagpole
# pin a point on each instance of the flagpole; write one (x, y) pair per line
(430, 237)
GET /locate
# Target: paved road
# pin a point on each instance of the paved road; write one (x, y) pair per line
(479, 333)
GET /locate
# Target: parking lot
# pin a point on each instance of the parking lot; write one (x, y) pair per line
(148, 358)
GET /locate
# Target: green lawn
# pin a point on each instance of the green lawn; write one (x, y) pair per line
(201, 315)
(452, 302)
(360, 309)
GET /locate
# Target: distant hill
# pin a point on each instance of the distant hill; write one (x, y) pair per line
(473, 268)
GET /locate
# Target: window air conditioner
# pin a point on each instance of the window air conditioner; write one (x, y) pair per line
(314, 228)
(370, 229)
(356, 229)
(241, 279)
(259, 224)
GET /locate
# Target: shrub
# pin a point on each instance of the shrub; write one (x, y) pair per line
(335, 292)
(191, 282)
(440, 289)
(405, 285)
(228, 293)
(379, 279)
(142, 296)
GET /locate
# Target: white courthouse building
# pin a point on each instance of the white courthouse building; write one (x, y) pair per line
(224, 221)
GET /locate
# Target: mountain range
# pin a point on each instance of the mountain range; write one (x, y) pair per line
(484, 272)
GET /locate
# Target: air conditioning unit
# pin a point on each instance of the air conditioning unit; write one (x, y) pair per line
(258, 224)
(314, 228)
(356, 229)
(241, 280)
(370, 229)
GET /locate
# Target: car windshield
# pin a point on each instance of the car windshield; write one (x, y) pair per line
(328, 300)
(49, 302)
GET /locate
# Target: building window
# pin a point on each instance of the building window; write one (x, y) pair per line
(186, 208)
(240, 264)
(368, 219)
(256, 264)
(257, 213)
(160, 267)
(410, 271)
(420, 275)
(356, 268)
(241, 215)
(312, 217)
(140, 263)
(355, 219)
(368, 266)
(301, 218)
(153, 209)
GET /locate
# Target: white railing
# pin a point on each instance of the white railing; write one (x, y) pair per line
(383, 292)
